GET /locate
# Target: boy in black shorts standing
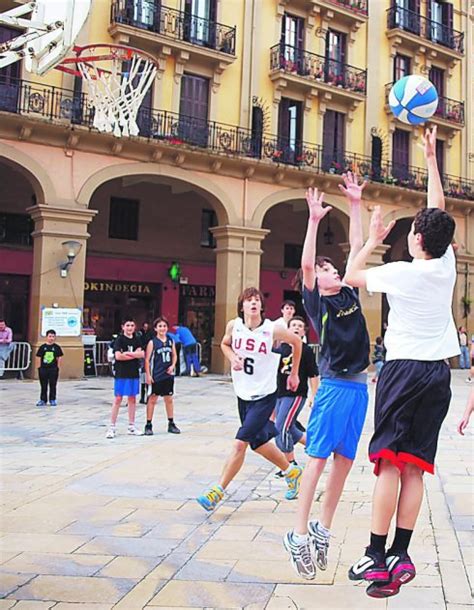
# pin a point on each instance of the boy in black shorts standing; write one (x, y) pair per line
(160, 362)
(413, 391)
(48, 359)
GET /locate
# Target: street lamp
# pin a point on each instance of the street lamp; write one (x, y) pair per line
(71, 249)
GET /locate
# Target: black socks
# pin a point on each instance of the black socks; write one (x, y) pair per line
(377, 543)
(401, 540)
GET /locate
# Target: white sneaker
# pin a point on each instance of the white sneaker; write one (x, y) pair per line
(110, 433)
(132, 430)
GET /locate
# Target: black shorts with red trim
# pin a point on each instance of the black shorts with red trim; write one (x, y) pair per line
(411, 403)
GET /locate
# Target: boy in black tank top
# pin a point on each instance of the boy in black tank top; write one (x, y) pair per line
(160, 362)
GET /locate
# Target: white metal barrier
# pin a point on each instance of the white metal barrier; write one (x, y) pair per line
(101, 348)
(19, 358)
(315, 348)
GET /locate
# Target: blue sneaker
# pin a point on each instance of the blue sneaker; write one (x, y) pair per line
(293, 481)
(211, 498)
(40, 403)
(53, 403)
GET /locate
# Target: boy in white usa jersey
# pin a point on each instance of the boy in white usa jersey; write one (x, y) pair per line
(247, 344)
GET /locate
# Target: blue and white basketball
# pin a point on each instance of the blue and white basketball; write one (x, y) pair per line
(413, 99)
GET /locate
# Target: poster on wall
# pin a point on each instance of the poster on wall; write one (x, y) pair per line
(66, 321)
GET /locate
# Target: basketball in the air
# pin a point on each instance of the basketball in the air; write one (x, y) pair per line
(413, 99)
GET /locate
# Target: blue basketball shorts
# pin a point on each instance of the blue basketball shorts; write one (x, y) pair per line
(337, 418)
(126, 387)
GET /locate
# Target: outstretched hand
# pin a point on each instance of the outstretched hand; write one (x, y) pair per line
(377, 230)
(315, 205)
(351, 188)
(429, 142)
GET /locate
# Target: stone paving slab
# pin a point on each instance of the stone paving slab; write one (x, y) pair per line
(89, 523)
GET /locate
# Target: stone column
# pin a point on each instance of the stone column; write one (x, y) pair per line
(237, 267)
(54, 225)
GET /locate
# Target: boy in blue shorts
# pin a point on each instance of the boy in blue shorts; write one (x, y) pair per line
(128, 352)
(340, 406)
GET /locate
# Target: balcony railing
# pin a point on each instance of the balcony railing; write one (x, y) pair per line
(179, 25)
(413, 22)
(61, 105)
(358, 6)
(316, 67)
(448, 109)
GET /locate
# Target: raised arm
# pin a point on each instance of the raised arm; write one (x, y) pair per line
(353, 192)
(435, 186)
(308, 257)
(283, 335)
(355, 272)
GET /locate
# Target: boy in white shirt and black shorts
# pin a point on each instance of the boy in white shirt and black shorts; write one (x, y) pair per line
(413, 391)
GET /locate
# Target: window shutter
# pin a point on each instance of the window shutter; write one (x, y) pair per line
(428, 10)
(440, 157)
(300, 33)
(339, 140)
(283, 120)
(329, 128)
(400, 153)
(283, 29)
(448, 37)
(194, 109)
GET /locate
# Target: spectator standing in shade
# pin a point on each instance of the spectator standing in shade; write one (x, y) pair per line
(378, 358)
(288, 310)
(48, 361)
(189, 343)
(144, 335)
(177, 345)
(464, 347)
(6, 345)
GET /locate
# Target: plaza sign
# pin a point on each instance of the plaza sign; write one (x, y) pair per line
(65, 321)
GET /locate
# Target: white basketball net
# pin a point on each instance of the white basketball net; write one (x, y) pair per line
(117, 95)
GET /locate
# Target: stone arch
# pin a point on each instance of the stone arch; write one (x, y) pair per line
(336, 201)
(39, 179)
(213, 193)
(400, 213)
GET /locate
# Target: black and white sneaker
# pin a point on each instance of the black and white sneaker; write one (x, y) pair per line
(320, 541)
(173, 428)
(371, 566)
(300, 556)
(148, 429)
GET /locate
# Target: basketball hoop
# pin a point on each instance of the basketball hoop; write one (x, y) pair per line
(118, 78)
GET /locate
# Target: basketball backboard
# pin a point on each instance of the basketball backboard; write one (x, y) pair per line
(52, 27)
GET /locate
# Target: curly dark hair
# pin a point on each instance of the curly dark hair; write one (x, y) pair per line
(437, 230)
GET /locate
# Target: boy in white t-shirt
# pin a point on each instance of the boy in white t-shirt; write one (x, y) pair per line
(413, 392)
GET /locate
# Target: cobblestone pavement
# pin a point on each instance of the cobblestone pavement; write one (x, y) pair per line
(99, 524)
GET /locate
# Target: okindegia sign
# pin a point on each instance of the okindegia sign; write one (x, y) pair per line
(65, 321)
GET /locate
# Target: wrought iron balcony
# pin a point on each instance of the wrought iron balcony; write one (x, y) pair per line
(171, 23)
(448, 109)
(410, 21)
(62, 106)
(316, 67)
(358, 6)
